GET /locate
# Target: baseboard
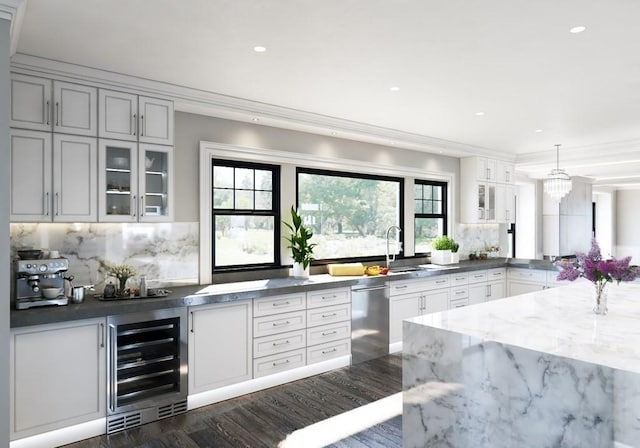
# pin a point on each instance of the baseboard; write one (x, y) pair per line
(265, 382)
(395, 347)
(63, 436)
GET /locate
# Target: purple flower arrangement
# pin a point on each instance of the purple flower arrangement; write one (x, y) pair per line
(597, 270)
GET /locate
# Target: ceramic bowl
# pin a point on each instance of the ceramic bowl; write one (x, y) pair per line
(51, 293)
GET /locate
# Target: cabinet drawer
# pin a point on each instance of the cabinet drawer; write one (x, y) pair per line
(496, 274)
(529, 275)
(437, 282)
(326, 297)
(279, 323)
(326, 333)
(460, 292)
(459, 303)
(278, 343)
(477, 277)
(323, 352)
(279, 304)
(280, 362)
(459, 279)
(398, 287)
(328, 314)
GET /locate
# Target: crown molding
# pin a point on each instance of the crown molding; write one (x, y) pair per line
(223, 106)
(13, 10)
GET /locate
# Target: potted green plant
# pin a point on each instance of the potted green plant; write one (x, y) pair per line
(443, 248)
(301, 248)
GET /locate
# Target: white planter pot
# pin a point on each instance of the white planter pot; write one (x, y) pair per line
(455, 257)
(441, 256)
(299, 272)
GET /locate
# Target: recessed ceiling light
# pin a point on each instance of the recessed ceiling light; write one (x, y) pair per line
(577, 29)
(394, 88)
(479, 114)
(538, 130)
(259, 49)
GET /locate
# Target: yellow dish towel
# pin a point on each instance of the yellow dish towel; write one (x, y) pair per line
(345, 269)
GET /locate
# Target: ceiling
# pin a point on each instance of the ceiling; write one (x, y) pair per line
(514, 61)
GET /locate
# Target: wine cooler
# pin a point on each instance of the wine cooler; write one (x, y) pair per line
(147, 367)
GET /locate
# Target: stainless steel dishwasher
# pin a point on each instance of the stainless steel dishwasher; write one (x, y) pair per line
(369, 322)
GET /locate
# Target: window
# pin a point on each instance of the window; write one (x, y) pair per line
(349, 213)
(430, 213)
(246, 214)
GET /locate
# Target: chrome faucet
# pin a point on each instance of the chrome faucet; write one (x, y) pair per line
(388, 257)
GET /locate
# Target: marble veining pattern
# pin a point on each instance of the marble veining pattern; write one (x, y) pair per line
(167, 253)
(537, 370)
(472, 237)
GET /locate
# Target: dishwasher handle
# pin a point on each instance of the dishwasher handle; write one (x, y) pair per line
(372, 288)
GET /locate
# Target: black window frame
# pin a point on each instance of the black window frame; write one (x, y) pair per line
(275, 212)
(325, 172)
(445, 204)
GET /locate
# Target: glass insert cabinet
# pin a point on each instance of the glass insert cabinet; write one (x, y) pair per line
(135, 182)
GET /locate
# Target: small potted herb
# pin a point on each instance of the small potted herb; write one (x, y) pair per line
(443, 248)
(301, 248)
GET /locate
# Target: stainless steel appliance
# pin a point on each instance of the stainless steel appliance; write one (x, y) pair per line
(369, 322)
(147, 367)
(33, 277)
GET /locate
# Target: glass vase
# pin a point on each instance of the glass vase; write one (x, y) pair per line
(600, 304)
(122, 286)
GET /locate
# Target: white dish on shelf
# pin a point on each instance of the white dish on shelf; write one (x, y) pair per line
(120, 162)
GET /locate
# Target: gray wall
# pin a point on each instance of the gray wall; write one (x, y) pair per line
(190, 129)
(4, 232)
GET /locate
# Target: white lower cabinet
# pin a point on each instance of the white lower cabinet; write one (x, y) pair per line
(486, 285)
(58, 376)
(522, 281)
(411, 298)
(220, 345)
(268, 365)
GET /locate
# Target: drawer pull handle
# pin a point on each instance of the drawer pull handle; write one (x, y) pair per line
(277, 324)
(275, 344)
(328, 333)
(441, 281)
(460, 292)
(329, 297)
(459, 278)
(324, 352)
(286, 361)
(281, 303)
(478, 276)
(329, 315)
(400, 286)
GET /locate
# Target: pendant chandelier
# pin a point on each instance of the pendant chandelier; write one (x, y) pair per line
(558, 182)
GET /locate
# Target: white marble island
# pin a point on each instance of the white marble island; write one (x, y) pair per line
(536, 370)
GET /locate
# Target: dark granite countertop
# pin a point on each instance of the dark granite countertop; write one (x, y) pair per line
(227, 292)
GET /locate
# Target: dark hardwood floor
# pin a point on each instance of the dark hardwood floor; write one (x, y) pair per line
(266, 418)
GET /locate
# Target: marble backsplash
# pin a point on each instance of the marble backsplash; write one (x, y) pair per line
(167, 253)
(477, 237)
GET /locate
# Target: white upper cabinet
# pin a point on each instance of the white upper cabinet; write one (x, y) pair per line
(53, 181)
(30, 102)
(118, 115)
(30, 176)
(135, 182)
(156, 121)
(126, 116)
(75, 178)
(505, 172)
(485, 169)
(72, 109)
(75, 109)
(486, 190)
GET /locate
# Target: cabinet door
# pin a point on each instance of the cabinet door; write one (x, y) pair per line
(477, 293)
(75, 178)
(518, 287)
(57, 376)
(30, 102)
(156, 121)
(495, 290)
(436, 301)
(30, 176)
(402, 307)
(486, 169)
(220, 345)
(156, 183)
(505, 203)
(117, 181)
(505, 172)
(75, 109)
(118, 117)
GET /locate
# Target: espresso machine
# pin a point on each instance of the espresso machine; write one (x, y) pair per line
(40, 282)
